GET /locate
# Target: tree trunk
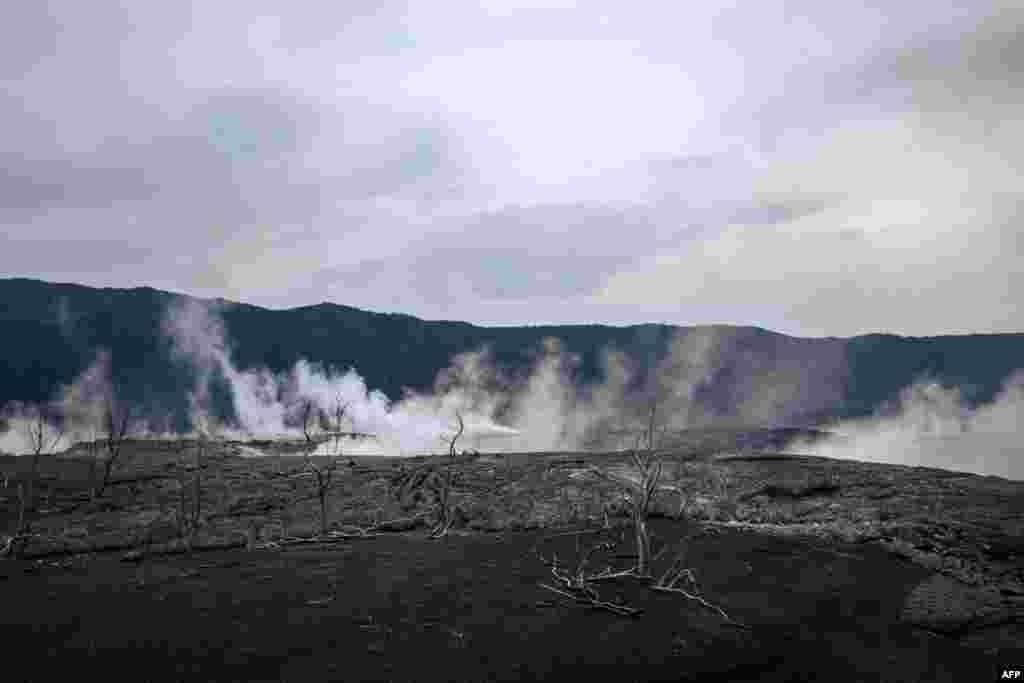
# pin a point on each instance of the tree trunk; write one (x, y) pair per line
(643, 544)
(22, 509)
(182, 516)
(108, 467)
(26, 493)
(323, 512)
(92, 476)
(196, 493)
(445, 514)
(18, 543)
(32, 482)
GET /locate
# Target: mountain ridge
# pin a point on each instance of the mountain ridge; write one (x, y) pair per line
(400, 314)
(52, 332)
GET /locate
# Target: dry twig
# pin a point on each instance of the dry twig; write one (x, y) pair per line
(622, 610)
(575, 583)
(676, 573)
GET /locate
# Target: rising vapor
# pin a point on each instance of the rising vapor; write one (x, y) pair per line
(932, 426)
(542, 411)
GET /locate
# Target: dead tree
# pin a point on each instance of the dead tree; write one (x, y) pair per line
(188, 509)
(183, 520)
(42, 438)
(323, 473)
(117, 421)
(206, 432)
(445, 513)
(639, 492)
(648, 465)
(92, 458)
(197, 487)
(639, 500)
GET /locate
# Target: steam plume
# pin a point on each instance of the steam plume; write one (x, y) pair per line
(931, 426)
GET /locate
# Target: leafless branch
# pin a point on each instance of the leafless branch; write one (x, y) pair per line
(117, 422)
(675, 573)
(323, 473)
(445, 514)
(42, 437)
(462, 428)
(40, 433)
(622, 610)
(575, 582)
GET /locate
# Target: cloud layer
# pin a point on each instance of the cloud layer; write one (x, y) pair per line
(815, 169)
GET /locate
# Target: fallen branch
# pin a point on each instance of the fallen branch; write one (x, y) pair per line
(346, 533)
(353, 531)
(331, 537)
(10, 547)
(299, 540)
(608, 574)
(579, 532)
(675, 573)
(576, 582)
(621, 610)
(697, 598)
(442, 527)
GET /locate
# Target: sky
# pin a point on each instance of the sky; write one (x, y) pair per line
(819, 169)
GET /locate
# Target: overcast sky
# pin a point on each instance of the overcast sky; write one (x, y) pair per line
(814, 168)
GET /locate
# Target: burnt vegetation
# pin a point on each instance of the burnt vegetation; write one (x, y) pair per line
(608, 535)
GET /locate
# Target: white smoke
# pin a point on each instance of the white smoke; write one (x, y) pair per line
(931, 426)
(268, 404)
(77, 413)
(199, 337)
(544, 411)
(83, 402)
(21, 433)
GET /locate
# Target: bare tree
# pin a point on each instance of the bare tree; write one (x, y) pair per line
(92, 458)
(197, 484)
(323, 473)
(183, 520)
(206, 433)
(117, 423)
(639, 492)
(445, 513)
(648, 465)
(42, 437)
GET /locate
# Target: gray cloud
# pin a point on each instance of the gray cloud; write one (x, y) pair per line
(819, 170)
(518, 254)
(28, 185)
(985, 58)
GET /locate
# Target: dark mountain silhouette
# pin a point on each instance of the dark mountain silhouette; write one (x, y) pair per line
(49, 333)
